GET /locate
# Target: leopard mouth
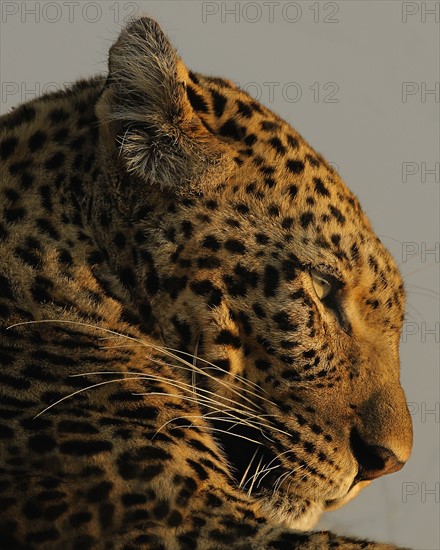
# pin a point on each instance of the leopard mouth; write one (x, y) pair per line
(354, 489)
(256, 468)
(257, 471)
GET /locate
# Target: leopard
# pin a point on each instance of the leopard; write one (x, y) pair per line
(199, 328)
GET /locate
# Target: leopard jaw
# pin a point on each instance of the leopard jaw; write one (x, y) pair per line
(298, 513)
(302, 514)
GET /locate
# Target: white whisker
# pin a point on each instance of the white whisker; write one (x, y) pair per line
(248, 468)
(176, 383)
(193, 373)
(255, 476)
(83, 390)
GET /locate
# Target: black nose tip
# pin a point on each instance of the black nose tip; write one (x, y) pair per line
(373, 460)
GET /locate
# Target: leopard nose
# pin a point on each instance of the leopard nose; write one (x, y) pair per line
(373, 460)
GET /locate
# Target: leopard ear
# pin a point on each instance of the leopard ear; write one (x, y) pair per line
(145, 113)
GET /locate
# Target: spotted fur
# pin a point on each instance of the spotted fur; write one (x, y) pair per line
(170, 378)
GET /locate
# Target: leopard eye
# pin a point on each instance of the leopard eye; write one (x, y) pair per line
(322, 284)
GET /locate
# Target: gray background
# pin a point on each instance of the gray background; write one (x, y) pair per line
(337, 72)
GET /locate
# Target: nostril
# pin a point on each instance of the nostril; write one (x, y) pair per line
(373, 460)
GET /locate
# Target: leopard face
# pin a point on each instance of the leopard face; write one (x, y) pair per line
(270, 269)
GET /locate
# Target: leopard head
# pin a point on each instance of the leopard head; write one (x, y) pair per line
(252, 251)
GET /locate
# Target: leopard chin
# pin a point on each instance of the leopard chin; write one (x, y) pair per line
(293, 511)
(302, 514)
(355, 489)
